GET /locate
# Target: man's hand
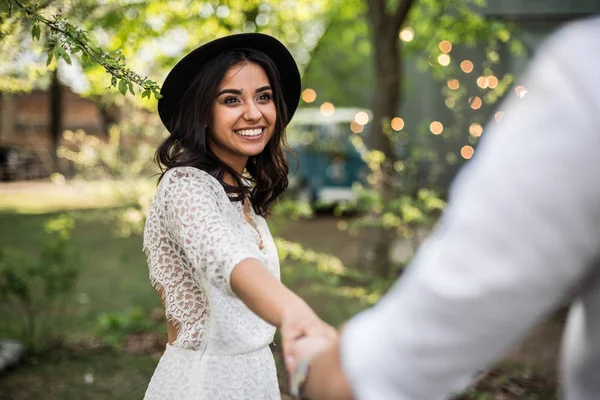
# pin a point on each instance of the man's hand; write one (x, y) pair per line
(325, 378)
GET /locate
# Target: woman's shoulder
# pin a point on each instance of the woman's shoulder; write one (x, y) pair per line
(191, 179)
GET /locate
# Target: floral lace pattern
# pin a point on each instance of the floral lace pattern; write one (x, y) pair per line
(194, 237)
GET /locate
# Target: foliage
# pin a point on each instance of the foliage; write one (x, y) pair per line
(114, 327)
(151, 35)
(36, 289)
(66, 40)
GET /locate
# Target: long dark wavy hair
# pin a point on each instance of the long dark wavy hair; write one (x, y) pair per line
(187, 146)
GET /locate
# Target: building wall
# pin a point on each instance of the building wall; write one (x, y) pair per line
(25, 126)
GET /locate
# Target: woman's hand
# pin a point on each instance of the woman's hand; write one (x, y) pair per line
(299, 322)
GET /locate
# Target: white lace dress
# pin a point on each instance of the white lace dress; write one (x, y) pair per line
(194, 237)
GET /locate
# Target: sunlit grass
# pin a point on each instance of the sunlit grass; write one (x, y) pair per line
(48, 197)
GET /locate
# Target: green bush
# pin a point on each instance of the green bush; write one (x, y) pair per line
(36, 289)
(114, 327)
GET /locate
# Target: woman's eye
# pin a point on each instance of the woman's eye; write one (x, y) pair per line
(230, 100)
(264, 97)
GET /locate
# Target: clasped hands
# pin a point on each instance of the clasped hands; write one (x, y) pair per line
(311, 356)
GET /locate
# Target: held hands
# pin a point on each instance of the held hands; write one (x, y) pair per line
(305, 336)
(301, 322)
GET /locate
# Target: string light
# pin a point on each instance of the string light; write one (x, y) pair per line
(521, 91)
(327, 109)
(436, 127)
(407, 34)
(453, 84)
(498, 116)
(482, 82)
(444, 59)
(492, 81)
(467, 152)
(475, 129)
(397, 124)
(361, 118)
(466, 66)
(309, 95)
(355, 127)
(475, 102)
(445, 46)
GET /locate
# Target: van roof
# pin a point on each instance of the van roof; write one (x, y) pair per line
(312, 115)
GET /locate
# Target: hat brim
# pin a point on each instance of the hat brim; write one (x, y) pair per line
(182, 74)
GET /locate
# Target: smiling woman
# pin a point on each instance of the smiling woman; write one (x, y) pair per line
(211, 256)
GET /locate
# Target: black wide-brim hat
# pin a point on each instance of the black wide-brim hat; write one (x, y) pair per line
(184, 72)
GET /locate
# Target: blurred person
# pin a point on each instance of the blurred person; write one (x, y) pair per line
(520, 238)
(210, 254)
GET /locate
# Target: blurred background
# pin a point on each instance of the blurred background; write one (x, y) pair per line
(396, 96)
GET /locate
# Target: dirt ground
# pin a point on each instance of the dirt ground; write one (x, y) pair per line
(538, 352)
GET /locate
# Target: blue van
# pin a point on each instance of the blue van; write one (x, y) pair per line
(326, 163)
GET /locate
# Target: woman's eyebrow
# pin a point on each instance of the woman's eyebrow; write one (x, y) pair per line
(232, 91)
(239, 91)
(263, 88)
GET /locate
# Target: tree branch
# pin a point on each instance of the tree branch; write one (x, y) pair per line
(401, 13)
(76, 38)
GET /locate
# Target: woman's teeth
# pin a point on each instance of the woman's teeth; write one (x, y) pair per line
(249, 132)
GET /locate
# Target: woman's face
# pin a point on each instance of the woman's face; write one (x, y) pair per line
(243, 115)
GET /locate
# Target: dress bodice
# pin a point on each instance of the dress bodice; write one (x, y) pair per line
(193, 238)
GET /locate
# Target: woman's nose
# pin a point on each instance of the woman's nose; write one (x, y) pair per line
(252, 112)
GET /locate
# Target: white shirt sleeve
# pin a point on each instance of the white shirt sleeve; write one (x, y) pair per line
(521, 231)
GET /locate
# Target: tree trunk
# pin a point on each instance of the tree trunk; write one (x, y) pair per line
(386, 99)
(56, 113)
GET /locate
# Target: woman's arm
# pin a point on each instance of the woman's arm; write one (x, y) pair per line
(271, 300)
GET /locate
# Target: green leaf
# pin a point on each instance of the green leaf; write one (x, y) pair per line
(146, 93)
(67, 58)
(123, 86)
(50, 57)
(131, 89)
(113, 81)
(85, 58)
(35, 32)
(157, 95)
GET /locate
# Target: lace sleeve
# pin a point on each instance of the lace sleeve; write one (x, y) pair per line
(196, 221)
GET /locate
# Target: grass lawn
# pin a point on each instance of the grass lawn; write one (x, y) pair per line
(115, 279)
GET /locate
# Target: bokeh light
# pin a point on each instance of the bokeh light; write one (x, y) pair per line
(436, 127)
(520, 91)
(475, 129)
(492, 81)
(407, 34)
(309, 95)
(498, 116)
(475, 102)
(397, 124)
(356, 127)
(467, 152)
(466, 66)
(482, 82)
(327, 109)
(445, 46)
(444, 59)
(361, 118)
(453, 84)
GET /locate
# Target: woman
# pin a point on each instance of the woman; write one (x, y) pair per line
(210, 253)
